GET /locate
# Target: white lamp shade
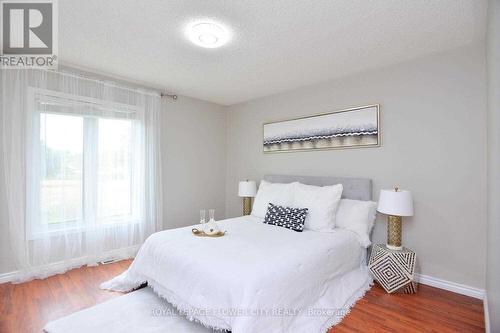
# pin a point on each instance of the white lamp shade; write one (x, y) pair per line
(397, 203)
(247, 188)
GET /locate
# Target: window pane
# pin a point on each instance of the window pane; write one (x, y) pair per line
(61, 142)
(114, 169)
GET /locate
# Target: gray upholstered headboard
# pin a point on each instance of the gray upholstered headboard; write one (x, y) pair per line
(354, 188)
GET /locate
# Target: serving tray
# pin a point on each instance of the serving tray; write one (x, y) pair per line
(201, 233)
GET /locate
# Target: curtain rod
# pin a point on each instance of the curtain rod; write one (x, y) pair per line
(110, 83)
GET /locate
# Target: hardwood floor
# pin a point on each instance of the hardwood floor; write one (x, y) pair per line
(27, 307)
(430, 310)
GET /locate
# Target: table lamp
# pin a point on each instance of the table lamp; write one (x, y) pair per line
(396, 203)
(247, 189)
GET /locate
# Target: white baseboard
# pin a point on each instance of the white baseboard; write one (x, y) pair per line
(59, 267)
(486, 314)
(452, 286)
(7, 277)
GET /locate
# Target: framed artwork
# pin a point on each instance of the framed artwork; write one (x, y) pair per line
(351, 128)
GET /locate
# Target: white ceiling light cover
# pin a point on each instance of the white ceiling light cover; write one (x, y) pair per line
(207, 34)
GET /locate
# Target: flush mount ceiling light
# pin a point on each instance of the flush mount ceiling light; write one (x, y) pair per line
(207, 34)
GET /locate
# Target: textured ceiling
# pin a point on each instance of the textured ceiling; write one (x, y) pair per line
(277, 45)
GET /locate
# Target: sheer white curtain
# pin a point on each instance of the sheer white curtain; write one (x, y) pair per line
(82, 168)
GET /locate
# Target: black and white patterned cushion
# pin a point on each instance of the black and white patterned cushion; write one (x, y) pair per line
(291, 218)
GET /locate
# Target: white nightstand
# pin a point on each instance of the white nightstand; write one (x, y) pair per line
(394, 270)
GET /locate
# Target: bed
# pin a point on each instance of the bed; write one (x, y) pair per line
(259, 277)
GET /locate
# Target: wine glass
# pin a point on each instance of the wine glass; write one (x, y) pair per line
(202, 218)
(211, 214)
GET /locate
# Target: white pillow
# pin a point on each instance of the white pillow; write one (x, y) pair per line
(275, 193)
(357, 216)
(321, 202)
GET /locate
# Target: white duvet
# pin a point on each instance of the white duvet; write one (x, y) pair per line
(257, 278)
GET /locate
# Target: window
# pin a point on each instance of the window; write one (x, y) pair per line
(61, 186)
(114, 169)
(83, 172)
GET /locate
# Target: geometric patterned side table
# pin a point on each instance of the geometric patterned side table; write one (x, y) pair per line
(394, 270)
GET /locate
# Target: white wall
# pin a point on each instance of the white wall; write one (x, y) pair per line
(493, 262)
(194, 160)
(433, 120)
